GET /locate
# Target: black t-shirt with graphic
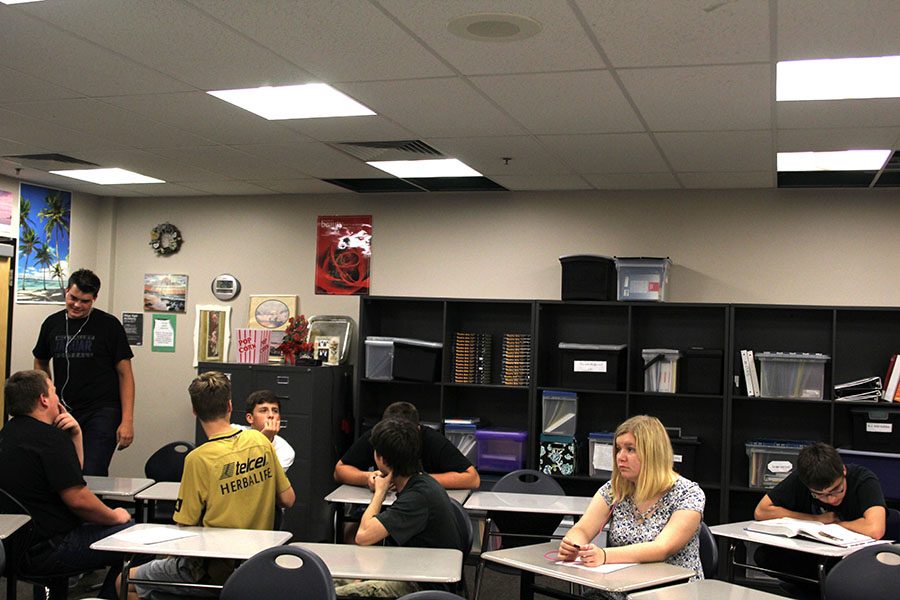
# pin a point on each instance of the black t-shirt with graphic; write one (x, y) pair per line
(863, 492)
(439, 455)
(84, 353)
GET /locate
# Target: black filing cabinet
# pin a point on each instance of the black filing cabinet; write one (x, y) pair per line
(315, 405)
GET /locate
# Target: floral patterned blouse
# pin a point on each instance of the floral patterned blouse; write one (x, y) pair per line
(628, 527)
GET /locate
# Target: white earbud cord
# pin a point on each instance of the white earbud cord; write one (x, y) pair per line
(62, 391)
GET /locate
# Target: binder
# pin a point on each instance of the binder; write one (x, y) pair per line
(891, 390)
(754, 376)
(748, 377)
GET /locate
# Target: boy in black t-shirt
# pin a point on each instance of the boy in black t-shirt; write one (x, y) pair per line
(421, 516)
(822, 489)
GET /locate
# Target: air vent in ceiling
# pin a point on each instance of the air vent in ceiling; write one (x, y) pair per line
(388, 150)
(48, 162)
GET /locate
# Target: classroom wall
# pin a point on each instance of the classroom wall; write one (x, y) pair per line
(766, 246)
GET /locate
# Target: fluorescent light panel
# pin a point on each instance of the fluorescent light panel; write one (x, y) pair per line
(846, 160)
(441, 167)
(838, 79)
(307, 101)
(107, 176)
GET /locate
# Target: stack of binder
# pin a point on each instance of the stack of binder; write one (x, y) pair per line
(867, 389)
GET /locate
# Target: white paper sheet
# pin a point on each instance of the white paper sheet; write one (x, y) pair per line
(152, 535)
(577, 564)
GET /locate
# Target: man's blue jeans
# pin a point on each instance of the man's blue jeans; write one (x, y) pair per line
(98, 430)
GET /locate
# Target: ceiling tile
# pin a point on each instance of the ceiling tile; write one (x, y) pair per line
(632, 181)
(700, 181)
(49, 136)
(799, 140)
(837, 28)
(702, 98)
(577, 102)
(315, 159)
(679, 32)
(521, 183)
(607, 153)
(485, 154)
(227, 188)
(359, 42)
(561, 45)
(151, 164)
(16, 86)
(300, 186)
(349, 129)
(230, 162)
(832, 114)
(156, 190)
(706, 151)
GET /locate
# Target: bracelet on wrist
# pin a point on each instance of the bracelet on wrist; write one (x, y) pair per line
(603, 550)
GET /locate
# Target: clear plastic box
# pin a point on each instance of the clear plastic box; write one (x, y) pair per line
(462, 435)
(500, 450)
(642, 278)
(792, 375)
(379, 358)
(560, 410)
(660, 369)
(417, 360)
(600, 454)
(772, 460)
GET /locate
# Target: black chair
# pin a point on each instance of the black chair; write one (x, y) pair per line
(166, 464)
(519, 529)
(15, 548)
(280, 572)
(709, 552)
(870, 573)
(467, 533)
(892, 525)
(430, 595)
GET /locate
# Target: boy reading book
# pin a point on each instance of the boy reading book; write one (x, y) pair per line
(830, 533)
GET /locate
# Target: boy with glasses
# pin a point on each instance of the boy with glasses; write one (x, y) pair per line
(821, 488)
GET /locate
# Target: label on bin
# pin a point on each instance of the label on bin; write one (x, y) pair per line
(589, 366)
(779, 466)
(676, 458)
(879, 427)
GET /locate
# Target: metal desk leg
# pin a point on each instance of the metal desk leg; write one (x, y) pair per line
(139, 515)
(526, 586)
(339, 523)
(126, 568)
(821, 577)
(729, 567)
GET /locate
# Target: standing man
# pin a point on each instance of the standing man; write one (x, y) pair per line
(91, 369)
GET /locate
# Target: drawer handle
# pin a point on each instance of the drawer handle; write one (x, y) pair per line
(283, 379)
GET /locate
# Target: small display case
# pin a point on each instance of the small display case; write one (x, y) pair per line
(500, 450)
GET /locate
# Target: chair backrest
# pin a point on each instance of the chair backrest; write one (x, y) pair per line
(709, 552)
(431, 595)
(167, 463)
(528, 528)
(465, 527)
(280, 572)
(892, 526)
(16, 544)
(870, 573)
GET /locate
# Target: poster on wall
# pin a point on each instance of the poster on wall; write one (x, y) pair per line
(343, 254)
(42, 266)
(163, 333)
(165, 292)
(212, 333)
(6, 214)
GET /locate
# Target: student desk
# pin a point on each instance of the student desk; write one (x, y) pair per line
(159, 491)
(432, 565)
(531, 561)
(737, 534)
(9, 524)
(706, 589)
(354, 494)
(116, 486)
(210, 542)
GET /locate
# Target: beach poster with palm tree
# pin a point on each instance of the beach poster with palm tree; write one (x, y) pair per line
(42, 266)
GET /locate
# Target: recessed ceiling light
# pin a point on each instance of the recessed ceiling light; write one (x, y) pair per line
(838, 79)
(441, 167)
(846, 160)
(307, 101)
(494, 27)
(107, 176)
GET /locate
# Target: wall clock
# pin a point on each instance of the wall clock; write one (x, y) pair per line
(226, 287)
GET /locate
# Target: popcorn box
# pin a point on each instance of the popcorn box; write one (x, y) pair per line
(253, 345)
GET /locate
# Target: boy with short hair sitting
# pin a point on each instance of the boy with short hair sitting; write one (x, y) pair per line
(264, 415)
(232, 480)
(421, 516)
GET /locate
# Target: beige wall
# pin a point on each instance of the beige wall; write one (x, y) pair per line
(768, 246)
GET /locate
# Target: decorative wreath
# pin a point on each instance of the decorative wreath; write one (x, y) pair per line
(165, 239)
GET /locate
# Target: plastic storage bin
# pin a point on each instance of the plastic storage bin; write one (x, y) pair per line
(684, 456)
(402, 358)
(600, 454)
(876, 429)
(792, 375)
(885, 465)
(560, 410)
(700, 371)
(500, 450)
(772, 460)
(660, 369)
(592, 366)
(462, 435)
(588, 277)
(379, 357)
(558, 455)
(642, 278)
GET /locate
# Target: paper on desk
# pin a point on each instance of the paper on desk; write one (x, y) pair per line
(152, 535)
(577, 564)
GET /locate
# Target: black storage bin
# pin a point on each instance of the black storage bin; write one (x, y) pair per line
(592, 366)
(700, 371)
(876, 429)
(416, 361)
(588, 277)
(685, 455)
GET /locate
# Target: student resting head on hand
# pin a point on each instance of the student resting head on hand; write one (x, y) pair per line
(655, 513)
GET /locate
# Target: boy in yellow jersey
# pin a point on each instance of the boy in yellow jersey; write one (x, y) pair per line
(232, 480)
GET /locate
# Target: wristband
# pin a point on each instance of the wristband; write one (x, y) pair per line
(603, 550)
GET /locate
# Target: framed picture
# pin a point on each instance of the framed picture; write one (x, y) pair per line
(271, 312)
(212, 333)
(165, 292)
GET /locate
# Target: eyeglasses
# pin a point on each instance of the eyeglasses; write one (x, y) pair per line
(833, 493)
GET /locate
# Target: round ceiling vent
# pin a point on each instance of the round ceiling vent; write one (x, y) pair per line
(494, 27)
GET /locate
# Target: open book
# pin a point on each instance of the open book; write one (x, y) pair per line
(832, 533)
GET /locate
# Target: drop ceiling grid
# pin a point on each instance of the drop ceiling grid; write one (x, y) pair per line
(607, 153)
(484, 154)
(315, 159)
(837, 28)
(725, 151)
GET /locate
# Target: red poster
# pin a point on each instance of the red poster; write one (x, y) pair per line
(343, 254)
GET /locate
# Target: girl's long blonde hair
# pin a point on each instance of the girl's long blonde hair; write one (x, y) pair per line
(655, 452)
